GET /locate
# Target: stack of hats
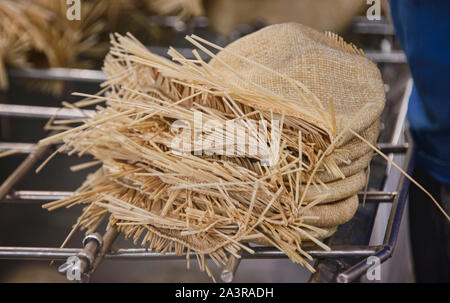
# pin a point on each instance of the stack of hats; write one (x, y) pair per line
(320, 90)
(343, 80)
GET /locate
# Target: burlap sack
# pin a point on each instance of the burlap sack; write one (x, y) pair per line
(330, 68)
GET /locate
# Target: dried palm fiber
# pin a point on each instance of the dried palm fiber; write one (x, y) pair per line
(70, 38)
(211, 203)
(323, 15)
(20, 34)
(50, 39)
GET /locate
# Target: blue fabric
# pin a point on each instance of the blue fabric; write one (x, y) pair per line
(423, 29)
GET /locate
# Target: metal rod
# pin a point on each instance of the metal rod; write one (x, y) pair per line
(363, 26)
(389, 148)
(21, 170)
(27, 148)
(41, 195)
(398, 205)
(45, 195)
(60, 74)
(45, 253)
(230, 269)
(392, 230)
(386, 57)
(108, 240)
(43, 112)
(386, 148)
(98, 76)
(24, 148)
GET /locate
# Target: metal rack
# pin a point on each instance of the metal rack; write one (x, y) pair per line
(383, 251)
(97, 247)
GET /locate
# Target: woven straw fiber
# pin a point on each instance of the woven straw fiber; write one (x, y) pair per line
(328, 67)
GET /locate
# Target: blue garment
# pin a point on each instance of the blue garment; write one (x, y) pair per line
(423, 29)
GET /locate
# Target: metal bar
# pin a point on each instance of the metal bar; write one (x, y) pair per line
(108, 239)
(386, 148)
(395, 218)
(24, 148)
(46, 253)
(21, 170)
(386, 57)
(98, 76)
(392, 230)
(398, 205)
(176, 22)
(43, 195)
(363, 26)
(60, 74)
(389, 148)
(43, 112)
(230, 269)
(46, 195)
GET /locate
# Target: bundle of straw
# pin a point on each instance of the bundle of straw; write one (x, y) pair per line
(20, 35)
(37, 33)
(304, 98)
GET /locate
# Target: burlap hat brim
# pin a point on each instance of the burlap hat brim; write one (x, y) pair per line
(356, 148)
(330, 217)
(332, 214)
(337, 190)
(327, 232)
(347, 169)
